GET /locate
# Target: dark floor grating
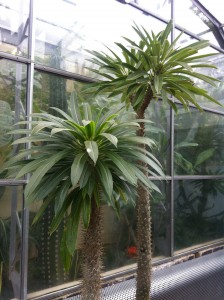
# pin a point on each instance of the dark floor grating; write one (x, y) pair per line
(197, 279)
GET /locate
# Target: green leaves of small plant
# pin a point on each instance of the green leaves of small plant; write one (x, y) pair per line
(82, 160)
(112, 138)
(41, 170)
(77, 168)
(106, 179)
(92, 150)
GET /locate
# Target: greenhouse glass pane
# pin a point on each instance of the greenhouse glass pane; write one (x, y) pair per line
(214, 8)
(199, 24)
(45, 267)
(158, 113)
(216, 70)
(62, 39)
(160, 204)
(12, 103)
(56, 91)
(14, 18)
(159, 7)
(216, 91)
(11, 206)
(198, 147)
(199, 212)
(120, 234)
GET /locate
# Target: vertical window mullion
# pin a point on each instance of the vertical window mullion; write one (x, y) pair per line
(172, 149)
(29, 97)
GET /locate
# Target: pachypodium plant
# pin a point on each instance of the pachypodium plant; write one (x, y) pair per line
(77, 163)
(144, 71)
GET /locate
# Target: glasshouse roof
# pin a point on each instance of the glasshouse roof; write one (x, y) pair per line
(66, 20)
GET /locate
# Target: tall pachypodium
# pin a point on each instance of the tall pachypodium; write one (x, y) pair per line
(142, 72)
(77, 163)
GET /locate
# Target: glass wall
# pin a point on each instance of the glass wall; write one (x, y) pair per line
(62, 40)
(198, 146)
(199, 212)
(14, 25)
(12, 110)
(11, 207)
(188, 214)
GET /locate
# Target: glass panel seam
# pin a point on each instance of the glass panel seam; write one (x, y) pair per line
(14, 57)
(206, 109)
(190, 177)
(66, 74)
(29, 97)
(172, 148)
(12, 182)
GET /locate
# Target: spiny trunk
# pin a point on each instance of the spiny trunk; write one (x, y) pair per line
(144, 258)
(143, 215)
(92, 253)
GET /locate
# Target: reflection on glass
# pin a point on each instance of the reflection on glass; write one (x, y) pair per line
(159, 7)
(215, 91)
(10, 241)
(54, 91)
(14, 26)
(159, 130)
(217, 71)
(61, 39)
(214, 8)
(12, 103)
(185, 11)
(45, 267)
(184, 39)
(199, 212)
(199, 143)
(161, 220)
(120, 234)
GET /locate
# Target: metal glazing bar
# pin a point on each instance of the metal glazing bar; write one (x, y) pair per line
(12, 182)
(21, 59)
(217, 29)
(194, 177)
(187, 177)
(160, 177)
(206, 109)
(66, 74)
(172, 148)
(15, 221)
(29, 98)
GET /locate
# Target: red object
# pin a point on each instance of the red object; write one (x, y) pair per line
(132, 251)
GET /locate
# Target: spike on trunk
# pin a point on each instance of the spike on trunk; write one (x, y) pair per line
(92, 253)
(143, 245)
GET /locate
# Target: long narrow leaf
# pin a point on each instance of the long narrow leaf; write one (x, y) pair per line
(92, 150)
(41, 171)
(77, 168)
